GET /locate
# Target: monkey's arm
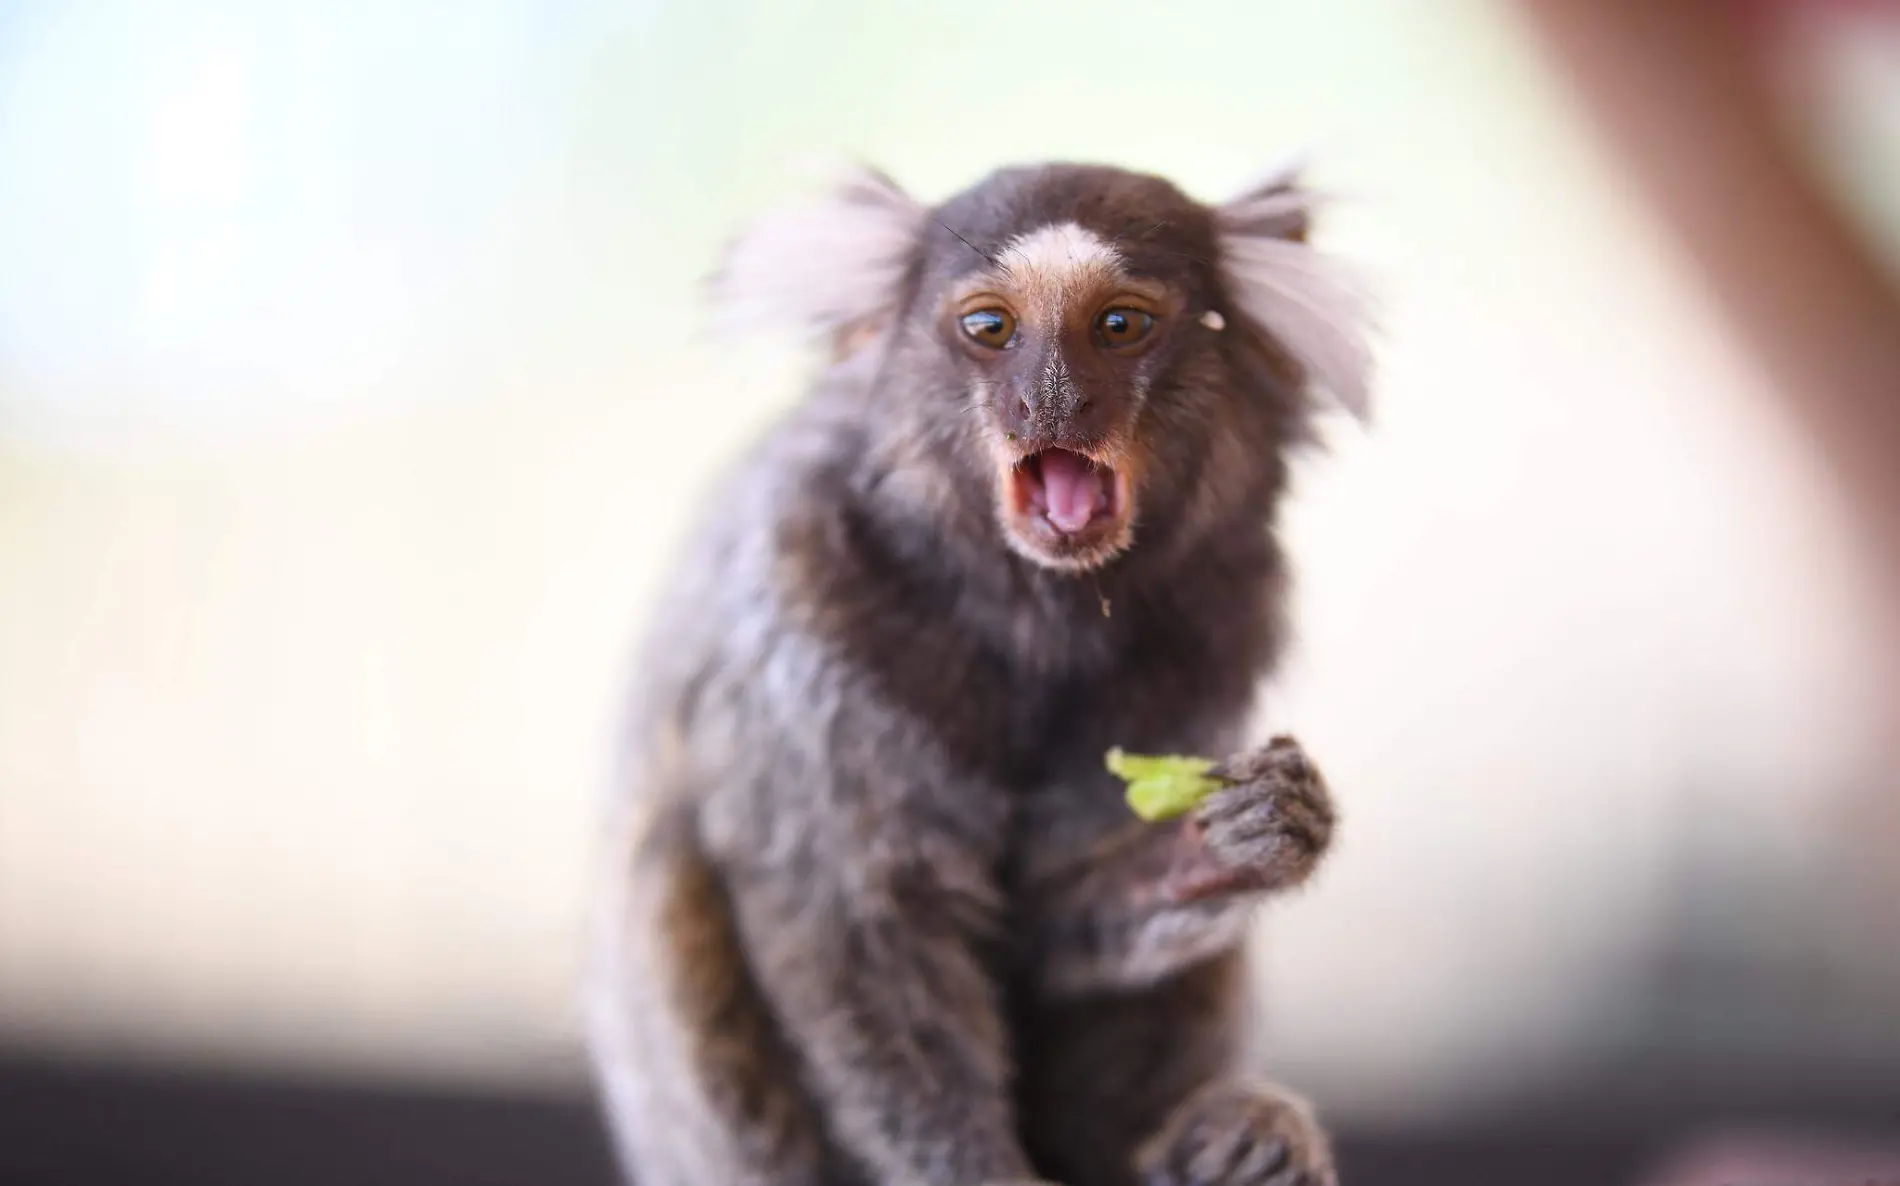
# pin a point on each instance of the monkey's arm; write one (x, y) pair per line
(1151, 899)
(863, 886)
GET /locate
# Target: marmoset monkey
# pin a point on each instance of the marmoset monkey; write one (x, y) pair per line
(875, 912)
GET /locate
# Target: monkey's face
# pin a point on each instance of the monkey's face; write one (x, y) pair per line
(1100, 355)
(1082, 317)
(1061, 334)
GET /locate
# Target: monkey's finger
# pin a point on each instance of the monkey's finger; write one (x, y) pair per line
(1284, 815)
(1262, 1161)
(1282, 753)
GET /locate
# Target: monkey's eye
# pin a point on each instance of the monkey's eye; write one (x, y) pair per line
(992, 327)
(1123, 327)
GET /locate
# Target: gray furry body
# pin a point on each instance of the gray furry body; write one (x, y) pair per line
(874, 912)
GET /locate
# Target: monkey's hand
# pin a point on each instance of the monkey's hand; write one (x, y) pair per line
(1265, 832)
(1154, 898)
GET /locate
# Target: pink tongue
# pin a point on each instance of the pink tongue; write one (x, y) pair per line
(1073, 489)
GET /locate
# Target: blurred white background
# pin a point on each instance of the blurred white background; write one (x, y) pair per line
(352, 399)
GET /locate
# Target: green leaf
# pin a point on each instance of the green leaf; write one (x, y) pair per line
(1162, 787)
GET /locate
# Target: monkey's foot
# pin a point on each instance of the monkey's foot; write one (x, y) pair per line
(1267, 831)
(1238, 1134)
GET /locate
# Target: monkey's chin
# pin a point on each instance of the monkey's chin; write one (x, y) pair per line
(1066, 511)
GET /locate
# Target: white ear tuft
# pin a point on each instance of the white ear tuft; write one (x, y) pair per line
(1275, 204)
(1313, 305)
(823, 266)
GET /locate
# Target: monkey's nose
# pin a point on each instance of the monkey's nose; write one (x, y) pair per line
(1041, 418)
(1023, 417)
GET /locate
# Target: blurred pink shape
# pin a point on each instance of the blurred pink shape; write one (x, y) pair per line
(1762, 1159)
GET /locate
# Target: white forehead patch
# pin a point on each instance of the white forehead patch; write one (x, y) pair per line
(1048, 265)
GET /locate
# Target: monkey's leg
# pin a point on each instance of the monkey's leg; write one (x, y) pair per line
(862, 872)
(698, 1087)
(1101, 1072)
(1139, 1088)
(894, 1018)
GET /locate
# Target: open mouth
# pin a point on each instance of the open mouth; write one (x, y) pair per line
(1071, 508)
(1069, 491)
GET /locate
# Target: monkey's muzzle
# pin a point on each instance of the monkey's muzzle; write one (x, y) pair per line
(1067, 509)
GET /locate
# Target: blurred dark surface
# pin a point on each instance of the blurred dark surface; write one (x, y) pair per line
(63, 1122)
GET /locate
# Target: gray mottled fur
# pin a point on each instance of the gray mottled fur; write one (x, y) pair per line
(873, 910)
